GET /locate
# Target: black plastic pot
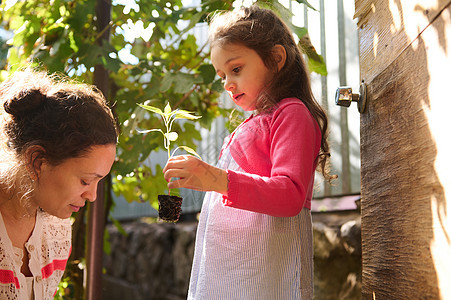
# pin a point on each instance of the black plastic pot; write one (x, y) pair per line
(170, 207)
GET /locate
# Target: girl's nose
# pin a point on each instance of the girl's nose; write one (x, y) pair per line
(229, 85)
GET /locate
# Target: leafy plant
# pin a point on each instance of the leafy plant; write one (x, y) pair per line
(169, 207)
(169, 116)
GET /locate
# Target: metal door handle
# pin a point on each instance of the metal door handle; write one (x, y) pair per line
(344, 97)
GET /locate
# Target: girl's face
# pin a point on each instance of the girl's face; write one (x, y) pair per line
(65, 188)
(243, 73)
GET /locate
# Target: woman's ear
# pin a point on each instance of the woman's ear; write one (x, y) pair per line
(280, 55)
(34, 156)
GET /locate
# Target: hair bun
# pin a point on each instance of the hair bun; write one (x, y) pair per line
(25, 101)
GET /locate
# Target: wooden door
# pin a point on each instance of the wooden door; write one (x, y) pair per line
(405, 60)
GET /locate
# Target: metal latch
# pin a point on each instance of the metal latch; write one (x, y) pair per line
(344, 97)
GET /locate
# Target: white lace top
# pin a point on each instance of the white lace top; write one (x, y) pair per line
(48, 247)
(18, 256)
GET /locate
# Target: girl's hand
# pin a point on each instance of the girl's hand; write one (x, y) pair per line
(195, 174)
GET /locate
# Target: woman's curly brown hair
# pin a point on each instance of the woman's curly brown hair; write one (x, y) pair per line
(65, 119)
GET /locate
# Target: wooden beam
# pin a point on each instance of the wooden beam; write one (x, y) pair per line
(96, 210)
(405, 164)
(387, 28)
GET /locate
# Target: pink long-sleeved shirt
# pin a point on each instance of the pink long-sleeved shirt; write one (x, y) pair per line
(278, 152)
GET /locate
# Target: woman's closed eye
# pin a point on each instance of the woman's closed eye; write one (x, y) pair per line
(84, 182)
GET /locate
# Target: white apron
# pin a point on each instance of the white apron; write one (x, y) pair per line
(243, 255)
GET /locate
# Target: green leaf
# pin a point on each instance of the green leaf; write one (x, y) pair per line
(152, 109)
(315, 61)
(217, 86)
(183, 114)
(89, 55)
(306, 3)
(299, 31)
(194, 20)
(167, 109)
(153, 87)
(208, 73)
(106, 242)
(166, 82)
(317, 66)
(184, 82)
(118, 226)
(112, 64)
(187, 149)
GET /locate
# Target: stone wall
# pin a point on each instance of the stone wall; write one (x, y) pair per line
(153, 261)
(337, 257)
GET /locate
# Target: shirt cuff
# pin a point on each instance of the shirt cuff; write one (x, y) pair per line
(226, 199)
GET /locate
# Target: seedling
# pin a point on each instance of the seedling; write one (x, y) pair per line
(169, 206)
(169, 116)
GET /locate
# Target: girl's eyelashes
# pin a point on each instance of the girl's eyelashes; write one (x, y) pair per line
(84, 182)
(235, 71)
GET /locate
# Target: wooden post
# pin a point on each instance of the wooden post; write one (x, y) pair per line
(96, 210)
(406, 208)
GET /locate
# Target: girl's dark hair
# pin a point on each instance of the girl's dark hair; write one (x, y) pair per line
(66, 119)
(261, 29)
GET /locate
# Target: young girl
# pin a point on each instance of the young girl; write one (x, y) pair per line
(254, 238)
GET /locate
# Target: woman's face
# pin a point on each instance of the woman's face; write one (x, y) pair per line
(65, 188)
(243, 72)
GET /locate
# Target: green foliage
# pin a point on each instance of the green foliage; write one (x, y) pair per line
(3, 52)
(151, 55)
(315, 62)
(65, 290)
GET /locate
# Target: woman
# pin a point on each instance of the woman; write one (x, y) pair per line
(58, 140)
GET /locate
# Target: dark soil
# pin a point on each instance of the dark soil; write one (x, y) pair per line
(169, 207)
